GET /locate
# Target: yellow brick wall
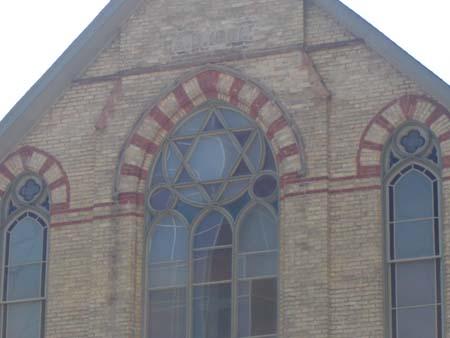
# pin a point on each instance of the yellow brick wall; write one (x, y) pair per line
(331, 86)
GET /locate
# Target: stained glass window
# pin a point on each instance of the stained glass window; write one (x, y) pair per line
(25, 260)
(413, 236)
(212, 206)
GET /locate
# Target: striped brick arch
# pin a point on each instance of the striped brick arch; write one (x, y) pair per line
(29, 158)
(213, 83)
(408, 107)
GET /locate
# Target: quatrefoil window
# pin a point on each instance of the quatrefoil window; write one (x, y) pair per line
(29, 190)
(412, 141)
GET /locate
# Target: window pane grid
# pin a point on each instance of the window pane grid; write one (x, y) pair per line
(24, 272)
(414, 220)
(416, 306)
(414, 259)
(218, 135)
(25, 300)
(416, 252)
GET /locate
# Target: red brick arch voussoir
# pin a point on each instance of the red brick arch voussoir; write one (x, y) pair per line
(32, 159)
(405, 108)
(218, 83)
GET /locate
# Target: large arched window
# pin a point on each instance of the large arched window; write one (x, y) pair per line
(413, 234)
(25, 254)
(212, 243)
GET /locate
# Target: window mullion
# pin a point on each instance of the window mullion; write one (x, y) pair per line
(189, 291)
(234, 286)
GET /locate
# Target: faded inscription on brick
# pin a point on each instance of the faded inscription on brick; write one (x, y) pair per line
(191, 42)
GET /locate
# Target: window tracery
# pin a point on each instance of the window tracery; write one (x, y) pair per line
(212, 257)
(413, 233)
(25, 258)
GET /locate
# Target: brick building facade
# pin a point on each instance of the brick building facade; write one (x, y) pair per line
(328, 91)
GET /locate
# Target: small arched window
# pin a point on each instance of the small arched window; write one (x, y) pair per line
(413, 233)
(25, 257)
(212, 245)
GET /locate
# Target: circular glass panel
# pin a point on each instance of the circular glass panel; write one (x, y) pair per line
(264, 186)
(161, 199)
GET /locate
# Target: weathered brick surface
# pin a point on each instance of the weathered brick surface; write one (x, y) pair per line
(331, 224)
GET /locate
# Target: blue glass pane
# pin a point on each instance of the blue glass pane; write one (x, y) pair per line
(417, 322)
(24, 282)
(412, 141)
(162, 244)
(188, 211)
(416, 283)
(275, 205)
(169, 240)
(167, 313)
(213, 123)
(212, 311)
(162, 199)
(258, 231)
(11, 207)
(25, 242)
(221, 155)
(242, 169)
(212, 265)
(235, 120)
(414, 239)
(235, 207)
(163, 275)
(173, 161)
(46, 204)
(433, 155)
(244, 316)
(23, 320)
(30, 190)
(213, 189)
(193, 125)
(269, 162)
(258, 264)
(265, 186)
(184, 145)
(184, 177)
(242, 136)
(193, 194)
(243, 288)
(212, 231)
(413, 196)
(392, 159)
(264, 307)
(233, 189)
(158, 176)
(254, 152)
(225, 235)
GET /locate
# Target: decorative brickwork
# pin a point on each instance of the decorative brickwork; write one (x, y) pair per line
(109, 124)
(212, 83)
(29, 158)
(406, 108)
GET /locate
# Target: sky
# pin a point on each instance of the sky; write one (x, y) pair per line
(35, 32)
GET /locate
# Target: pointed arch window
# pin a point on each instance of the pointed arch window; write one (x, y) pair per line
(413, 233)
(25, 258)
(212, 243)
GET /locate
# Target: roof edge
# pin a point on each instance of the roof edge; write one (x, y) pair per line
(37, 100)
(384, 46)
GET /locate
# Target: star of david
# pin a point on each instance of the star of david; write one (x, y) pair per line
(209, 157)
